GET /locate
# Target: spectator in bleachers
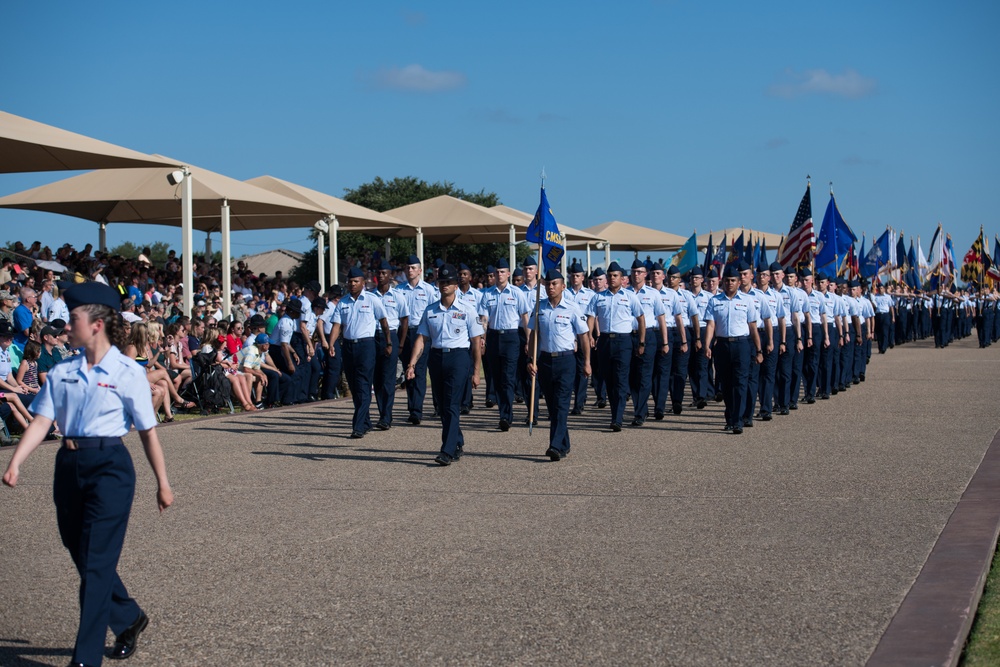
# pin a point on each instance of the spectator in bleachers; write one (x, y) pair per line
(15, 398)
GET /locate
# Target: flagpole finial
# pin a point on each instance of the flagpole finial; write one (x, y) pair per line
(543, 176)
(831, 187)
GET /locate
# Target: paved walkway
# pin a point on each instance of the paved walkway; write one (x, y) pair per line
(673, 544)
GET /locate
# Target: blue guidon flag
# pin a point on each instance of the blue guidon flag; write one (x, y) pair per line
(544, 230)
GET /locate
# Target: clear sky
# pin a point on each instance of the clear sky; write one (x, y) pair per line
(677, 115)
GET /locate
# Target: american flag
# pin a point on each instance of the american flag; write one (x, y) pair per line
(800, 244)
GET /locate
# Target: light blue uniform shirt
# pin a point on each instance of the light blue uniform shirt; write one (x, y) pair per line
(470, 298)
(449, 328)
(673, 305)
(867, 310)
(652, 306)
(688, 307)
(327, 317)
(358, 318)
(763, 307)
(282, 332)
(421, 296)
(615, 312)
(883, 303)
(831, 306)
(503, 308)
(732, 317)
(581, 299)
(103, 402)
(558, 325)
(396, 305)
(308, 316)
(853, 307)
(794, 303)
(776, 304)
(816, 305)
(701, 300)
(532, 294)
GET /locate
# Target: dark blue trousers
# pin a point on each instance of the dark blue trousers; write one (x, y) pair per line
(93, 490)
(768, 370)
(417, 387)
(297, 378)
(698, 371)
(359, 365)
(783, 373)
(615, 353)
(467, 392)
(811, 363)
(600, 384)
(883, 321)
(860, 356)
(502, 354)
(826, 357)
(846, 368)
(662, 367)
(303, 370)
(449, 369)
(640, 378)
(385, 378)
(580, 384)
(557, 379)
(334, 367)
(732, 371)
(797, 364)
(753, 380)
(679, 365)
(277, 383)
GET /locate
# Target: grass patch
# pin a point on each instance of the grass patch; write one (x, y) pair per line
(983, 647)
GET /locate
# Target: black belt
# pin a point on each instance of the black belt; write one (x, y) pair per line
(564, 353)
(616, 335)
(89, 443)
(503, 331)
(446, 350)
(357, 340)
(733, 339)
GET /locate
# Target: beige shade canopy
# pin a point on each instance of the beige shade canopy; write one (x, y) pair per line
(627, 236)
(447, 219)
(27, 145)
(145, 196)
(575, 238)
(349, 215)
(733, 233)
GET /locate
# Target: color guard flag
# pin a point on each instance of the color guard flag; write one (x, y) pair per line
(973, 267)
(800, 244)
(544, 230)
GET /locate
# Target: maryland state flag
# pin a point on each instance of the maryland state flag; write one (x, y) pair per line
(544, 230)
(974, 266)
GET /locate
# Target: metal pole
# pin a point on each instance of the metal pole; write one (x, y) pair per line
(588, 259)
(388, 248)
(320, 256)
(208, 247)
(187, 260)
(227, 274)
(607, 255)
(102, 237)
(512, 241)
(334, 260)
(420, 246)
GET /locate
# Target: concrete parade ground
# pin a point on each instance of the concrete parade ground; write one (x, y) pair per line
(799, 542)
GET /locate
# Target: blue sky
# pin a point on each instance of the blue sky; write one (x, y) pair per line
(676, 115)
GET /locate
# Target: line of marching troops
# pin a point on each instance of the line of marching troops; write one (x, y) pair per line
(760, 340)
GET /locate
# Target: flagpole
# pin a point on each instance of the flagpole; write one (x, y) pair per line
(534, 339)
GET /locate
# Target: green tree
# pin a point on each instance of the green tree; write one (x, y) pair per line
(381, 196)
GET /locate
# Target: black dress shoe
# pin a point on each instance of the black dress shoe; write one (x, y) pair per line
(809, 401)
(458, 454)
(825, 397)
(737, 430)
(718, 397)
(616, 427)
(126, 642)
(576, 411)
(553, 454)
(490, 404)
(601, 403)
(443, 459)
(519, 399)
(856, 381)
(658, 416)
(793, 406)
(701, 404)
(747, 423)
(465, 411)
(834, 391)
(728, 427)
(638, 422)
(413, 419)
(435, 415)
(532, 422)
(357, 435)
(504, 425)
(382, 426)
(677, 408)
(783, 411)
(766, 418)
(862, 376)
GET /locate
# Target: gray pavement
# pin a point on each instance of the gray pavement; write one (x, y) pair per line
(674, 544)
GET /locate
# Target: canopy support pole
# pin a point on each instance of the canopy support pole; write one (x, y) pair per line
(102, 237)
(227, 273)
(321, 257)
(208, 246)
(334, 260)
(420, 246)
(512, 242)
(388, 248)
(187, 241)
(588, 259)
(607, 255)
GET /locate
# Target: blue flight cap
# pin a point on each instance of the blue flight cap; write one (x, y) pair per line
(529, 261)
(743, 266)
(841, 281)
(673, 271)
(385, 266)
(87, 293)
(447, 274)
(696, 271)
(554, 274)
(854, 283)
(312, 286)
(490, 268)
(656, 267)
(576, 267)
(355, 272)
(730, 272)
(615, 267)
(804, 273)
(790, 270)
(413, 259)
(820, 276)
(261, 339)
(438, 263)
(462, 266)
(517, 273)
(638, 264)
(712, 273)
(775, 266)
(598, 272)
(319, 303)
(502, 264)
